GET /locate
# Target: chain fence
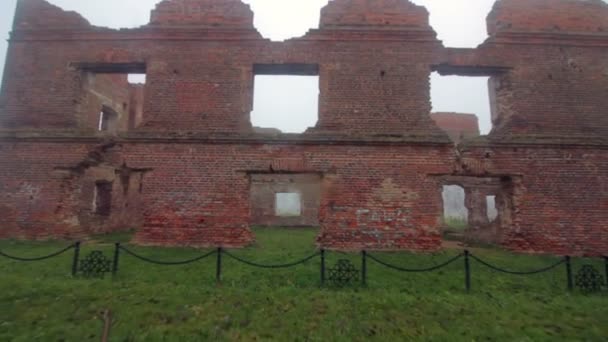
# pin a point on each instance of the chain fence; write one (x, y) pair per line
(96, 264)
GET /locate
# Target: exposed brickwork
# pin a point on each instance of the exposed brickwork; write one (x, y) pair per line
(560, 208)
(568, 16)
(264, 188)
(181, 162)
(383, 14)
(458, 126)
(204, 13)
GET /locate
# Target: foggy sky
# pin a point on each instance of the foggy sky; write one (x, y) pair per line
(459, 23)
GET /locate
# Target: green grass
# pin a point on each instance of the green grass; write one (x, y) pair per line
(41, 302)
(456, 223)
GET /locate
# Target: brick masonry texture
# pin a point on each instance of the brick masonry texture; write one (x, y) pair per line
(183, 162)
(458, 126)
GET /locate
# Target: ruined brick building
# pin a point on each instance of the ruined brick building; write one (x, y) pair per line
(177, 159)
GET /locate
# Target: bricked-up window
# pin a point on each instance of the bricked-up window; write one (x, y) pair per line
(102, 203)
(491, 209)
(288, 204)
(286, 97)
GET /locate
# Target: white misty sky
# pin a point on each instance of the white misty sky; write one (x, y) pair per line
(459, 23)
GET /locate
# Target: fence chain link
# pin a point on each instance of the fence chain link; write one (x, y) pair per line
(415, 270)
(498, 269)
(38, 258)
(167, 263)
(254, 264)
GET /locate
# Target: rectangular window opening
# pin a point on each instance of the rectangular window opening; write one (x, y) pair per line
(102, 202)
(491, 209)
(137, 79)
(286, 97)
(114, 95)
(455, 212)
(288, 204)
(462, 106)
(107, 120)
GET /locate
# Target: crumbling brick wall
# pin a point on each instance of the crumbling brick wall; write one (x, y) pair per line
(188, 149)
(458, 126)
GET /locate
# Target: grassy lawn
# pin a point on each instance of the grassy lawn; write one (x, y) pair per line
(41, 302)
(455, 223)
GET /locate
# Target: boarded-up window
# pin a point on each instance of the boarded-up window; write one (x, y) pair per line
(102, 204)
(288, 204)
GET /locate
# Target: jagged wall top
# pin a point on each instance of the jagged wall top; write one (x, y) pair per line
(39, 14)
(380, 14)
(566, 16)
(203, 13)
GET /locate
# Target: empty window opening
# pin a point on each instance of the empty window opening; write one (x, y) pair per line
(456, 100)
(102, 202)
(137, 78)
(107, 120)
(455, 212)
(119, 88)
(288, 204)
(286, 97)
(492, 211)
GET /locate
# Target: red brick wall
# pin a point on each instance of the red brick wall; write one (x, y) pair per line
(263, 190)
(48, 190)
(207, 13)
(136, 107)
(380, 13)
(548, 16)
(194, 196)
(457, 125)
(560, 195)
(181, 176)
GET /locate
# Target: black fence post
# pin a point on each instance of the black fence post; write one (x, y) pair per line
(218, 265)
(569, 272)
(363, 268)
(606, 268)
(116, 256)
(322, 267)
(467, 271)
(75, 259)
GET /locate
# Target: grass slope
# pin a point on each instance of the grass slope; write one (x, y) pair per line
(41, 302)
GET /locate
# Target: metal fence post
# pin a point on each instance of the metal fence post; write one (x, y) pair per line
(116, 256)
(75, 259)
(322, 267)
(606, 268)
(467, 271)
(218, 265)
(363, 268)
(569, 272)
